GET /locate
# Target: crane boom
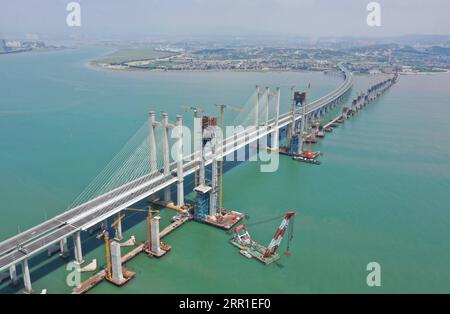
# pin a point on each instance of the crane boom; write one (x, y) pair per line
(276, 240)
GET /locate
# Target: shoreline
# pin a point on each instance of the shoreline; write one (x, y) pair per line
(122, 68)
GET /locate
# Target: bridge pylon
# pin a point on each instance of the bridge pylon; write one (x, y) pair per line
(166, 151)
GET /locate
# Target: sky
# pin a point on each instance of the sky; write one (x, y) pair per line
(140, 19)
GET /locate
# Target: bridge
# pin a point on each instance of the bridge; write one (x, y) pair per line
(70, 223)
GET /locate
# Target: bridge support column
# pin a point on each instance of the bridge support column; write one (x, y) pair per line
(165, 124)
(63, 248)
(291, 126)
(214, 178)
(266, 118)
(213, 194)
(257, 107)
(152, 141)
(180, 175)
(13, 274)
(116, 263)
(275, 136)
(118, 236)
(26, 277)
(155, 246)
(77, 248)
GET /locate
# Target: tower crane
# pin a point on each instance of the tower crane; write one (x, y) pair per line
(222, 109)
(105, 235)
(150, 212)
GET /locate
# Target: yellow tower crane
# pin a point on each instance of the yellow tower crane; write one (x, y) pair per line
(222, 111)
(105, 235)
(149, 219)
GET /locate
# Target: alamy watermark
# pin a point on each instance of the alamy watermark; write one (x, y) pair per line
(73, 19)
(73, 278)
(374, 277)
(374, 17)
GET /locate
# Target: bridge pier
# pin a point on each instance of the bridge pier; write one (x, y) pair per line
(63, 248)
(155, 246)
(214, 179)
(26, 277)
(180, 175)
(77, 248)
(13, 274)
(165, 124)
(116, 263)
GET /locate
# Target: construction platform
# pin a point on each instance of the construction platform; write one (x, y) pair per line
(226, 220)
(127, 276)
(257, 251)
(174, 225)
(90, 283)
(164, 249)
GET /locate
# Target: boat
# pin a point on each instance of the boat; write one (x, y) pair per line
(308, 156)
(308, 160)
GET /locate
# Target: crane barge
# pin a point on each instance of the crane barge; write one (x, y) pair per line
(250, 248)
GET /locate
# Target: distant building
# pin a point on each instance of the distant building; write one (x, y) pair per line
(2, 46)
(374, 71)
(14, 44)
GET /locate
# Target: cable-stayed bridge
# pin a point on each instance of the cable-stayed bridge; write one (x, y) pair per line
(130, 178)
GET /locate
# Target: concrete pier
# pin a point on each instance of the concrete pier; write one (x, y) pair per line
(166, 149)
(266, 118)
(275, 134)
(26, 277)
(116, 263)
(13, 274)
(152, 141)
(77, 248)
(180, 175)
(257, 107)
(214, 179)
(63, 248)
(155, 236)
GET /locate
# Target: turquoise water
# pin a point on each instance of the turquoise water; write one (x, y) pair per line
(381, 193)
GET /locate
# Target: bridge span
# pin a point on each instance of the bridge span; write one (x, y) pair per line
(19, 248)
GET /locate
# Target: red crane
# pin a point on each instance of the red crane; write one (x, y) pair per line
(276, 240)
